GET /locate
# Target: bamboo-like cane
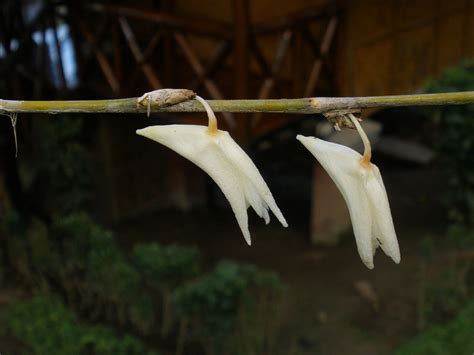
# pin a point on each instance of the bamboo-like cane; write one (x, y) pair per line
(292, 106)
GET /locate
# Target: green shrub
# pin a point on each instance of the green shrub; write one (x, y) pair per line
(97, 269)
(456, 337)
(214, 300)
(444, 297)
(99, 339)
(460, 237)
(45, 326)
(165, 267)
(455, 130)
(78, 236)
(111, 275)
(216, 304)
(91, 254)
(448, 286)
(28, 250)
(56, 172)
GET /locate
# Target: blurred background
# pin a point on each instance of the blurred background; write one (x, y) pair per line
(112, 244)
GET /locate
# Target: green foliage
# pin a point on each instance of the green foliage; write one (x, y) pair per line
(111, 274)
(79, 239)
(57, 172)
(99, 339)
(458, 78)
(445, 296)
(16, 243)
(165, 267)
(215, 299)
(90, 250)
(456, 337)
(96, 268)
(426, 247)
(450, 288)
(45, 326)
(460, 237)
(455, 126)
(216, 303)
(29, 250)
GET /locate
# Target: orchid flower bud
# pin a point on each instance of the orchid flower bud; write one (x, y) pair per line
(361, 185)
(215, 152)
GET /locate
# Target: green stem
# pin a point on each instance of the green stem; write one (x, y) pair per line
(300, 106)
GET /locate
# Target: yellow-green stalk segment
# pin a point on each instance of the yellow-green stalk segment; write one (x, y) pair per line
(293, 106)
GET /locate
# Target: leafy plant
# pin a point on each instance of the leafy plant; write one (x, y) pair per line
(28, 251)
(455, 127)
(215, 304)
(446, 290)
(45, 326)
(456, 337)
(56, 173)
(98, 274)
(164, 268)
(444, 297)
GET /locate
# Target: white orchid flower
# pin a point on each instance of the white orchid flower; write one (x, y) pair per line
(216, 153)
(361, 185)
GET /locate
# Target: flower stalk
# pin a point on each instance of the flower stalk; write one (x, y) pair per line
(212, 120)
(293, 106)
(367, 156)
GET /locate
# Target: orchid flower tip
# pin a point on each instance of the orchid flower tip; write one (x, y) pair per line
(369, 264)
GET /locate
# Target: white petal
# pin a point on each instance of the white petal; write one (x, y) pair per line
(226, 163)
(364, 193)
(383, 228)
(246, 166)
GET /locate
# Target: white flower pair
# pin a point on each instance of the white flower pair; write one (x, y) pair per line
(230, 167)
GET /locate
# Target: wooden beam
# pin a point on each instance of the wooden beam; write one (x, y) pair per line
(215, 62)
(241, 33)
(206, 27)
(324, 50)
(241, 20)
(148, 71)
(100, 56)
